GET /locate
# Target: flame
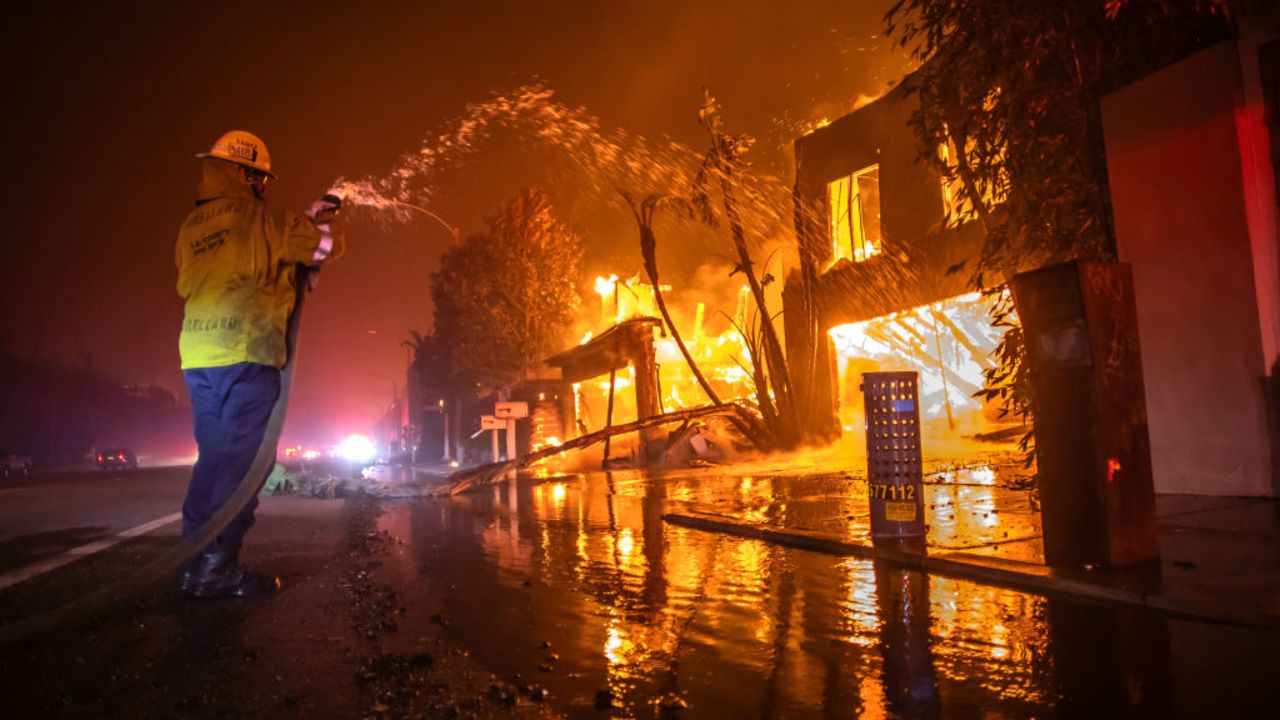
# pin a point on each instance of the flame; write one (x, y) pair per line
(545, 442)
(704, 316)
(733, 374)
(619, 383)
(606, 285)
(949, 343)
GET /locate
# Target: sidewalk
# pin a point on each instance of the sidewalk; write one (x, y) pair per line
(1220, 556)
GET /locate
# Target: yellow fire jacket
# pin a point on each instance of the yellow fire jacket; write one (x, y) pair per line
(236, 262)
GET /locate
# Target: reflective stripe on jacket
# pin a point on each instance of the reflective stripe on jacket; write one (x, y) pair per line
(236, 260)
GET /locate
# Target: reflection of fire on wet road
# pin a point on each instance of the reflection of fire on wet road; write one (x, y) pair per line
(652, 615)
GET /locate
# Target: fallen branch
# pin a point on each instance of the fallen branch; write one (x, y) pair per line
(463, 480)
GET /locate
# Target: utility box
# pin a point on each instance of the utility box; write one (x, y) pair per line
(894, 471)
(1080, 327)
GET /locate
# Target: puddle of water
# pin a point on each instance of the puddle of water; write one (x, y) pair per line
(736, 628)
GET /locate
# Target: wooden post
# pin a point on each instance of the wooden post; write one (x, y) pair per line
(647, 399)
(608, 420)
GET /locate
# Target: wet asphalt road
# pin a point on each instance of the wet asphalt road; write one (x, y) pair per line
(47, 514)
(569, 596)
(338, 641)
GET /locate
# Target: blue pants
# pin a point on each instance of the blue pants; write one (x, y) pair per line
(231, 405)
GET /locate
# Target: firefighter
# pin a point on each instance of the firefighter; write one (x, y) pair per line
(237, 261)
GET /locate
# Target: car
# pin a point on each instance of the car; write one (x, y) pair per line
(14, 463)
(115, 458)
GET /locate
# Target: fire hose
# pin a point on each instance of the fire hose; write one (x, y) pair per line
(167, 565)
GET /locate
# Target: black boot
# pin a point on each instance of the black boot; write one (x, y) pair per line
(219, 575)
(190, 571)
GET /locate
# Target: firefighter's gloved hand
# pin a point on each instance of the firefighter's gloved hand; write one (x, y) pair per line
(322, 213)
(325, 210)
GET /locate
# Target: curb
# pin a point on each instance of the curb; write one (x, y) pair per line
(1005, 573)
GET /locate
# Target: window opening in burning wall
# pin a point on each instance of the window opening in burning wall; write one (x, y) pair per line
(855, 215)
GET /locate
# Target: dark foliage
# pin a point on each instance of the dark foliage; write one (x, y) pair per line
(503, 301)
(1009, 112)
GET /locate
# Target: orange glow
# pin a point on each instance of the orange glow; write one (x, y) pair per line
(949, 343)
(854, 203)
(1113, 467)
(606, 285)
(708, 334)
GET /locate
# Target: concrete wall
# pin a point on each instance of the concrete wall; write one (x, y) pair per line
(1184, 182)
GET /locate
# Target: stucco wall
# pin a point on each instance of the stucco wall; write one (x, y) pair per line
(1178, 190)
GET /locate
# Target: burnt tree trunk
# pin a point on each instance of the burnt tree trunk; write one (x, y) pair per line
(649, 251)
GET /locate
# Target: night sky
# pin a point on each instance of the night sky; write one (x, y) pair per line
(106, 103)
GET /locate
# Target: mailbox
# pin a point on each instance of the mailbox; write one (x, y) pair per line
(511, 410)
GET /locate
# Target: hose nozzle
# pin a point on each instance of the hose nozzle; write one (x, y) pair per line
(336, 196)
(327, 207)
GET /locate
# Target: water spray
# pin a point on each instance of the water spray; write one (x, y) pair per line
(362, 195)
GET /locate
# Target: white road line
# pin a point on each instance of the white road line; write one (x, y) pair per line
(22, 574)
(145, 528)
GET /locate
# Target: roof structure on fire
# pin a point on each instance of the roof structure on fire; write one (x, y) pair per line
(612, 349)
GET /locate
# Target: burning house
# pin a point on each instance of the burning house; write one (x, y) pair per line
(884, 275)
(627, 346)
(625, 368)
(1193, 168)
(628, 368)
